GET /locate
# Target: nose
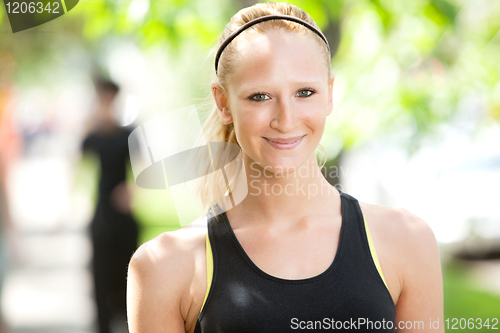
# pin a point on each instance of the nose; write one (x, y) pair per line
(285, 117)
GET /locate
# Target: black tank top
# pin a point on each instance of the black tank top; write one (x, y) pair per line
(349, 296)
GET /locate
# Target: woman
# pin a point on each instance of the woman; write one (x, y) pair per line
(296, 254)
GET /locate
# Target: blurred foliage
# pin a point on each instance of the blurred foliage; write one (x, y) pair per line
(462, 299)
(400, 65)
(154, 218)
(406, 66)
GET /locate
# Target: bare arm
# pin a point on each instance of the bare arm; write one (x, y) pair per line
(154, 288)
(421, 302)
(167, 282)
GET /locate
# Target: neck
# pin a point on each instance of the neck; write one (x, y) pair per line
(272, 197)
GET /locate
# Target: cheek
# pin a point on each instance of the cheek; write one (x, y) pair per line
(314, 117)
(250, 124)
(320, 120)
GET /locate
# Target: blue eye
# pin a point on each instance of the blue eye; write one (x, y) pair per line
(259, 97)
(305, 93)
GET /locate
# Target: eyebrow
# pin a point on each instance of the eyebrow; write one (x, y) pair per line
(259, 87)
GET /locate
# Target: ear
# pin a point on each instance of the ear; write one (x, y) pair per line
(220, 97)
(330, 95)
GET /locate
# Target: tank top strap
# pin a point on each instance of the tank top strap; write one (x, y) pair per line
(357, 251)
(219, 235)
(226, 251)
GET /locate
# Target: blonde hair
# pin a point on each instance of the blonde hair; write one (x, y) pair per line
(214, 129)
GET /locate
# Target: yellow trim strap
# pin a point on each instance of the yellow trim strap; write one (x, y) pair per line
(210, 269)
(374, 253)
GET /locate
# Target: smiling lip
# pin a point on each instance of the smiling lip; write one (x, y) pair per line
(285, 143)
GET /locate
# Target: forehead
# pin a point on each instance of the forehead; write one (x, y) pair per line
(277, 57)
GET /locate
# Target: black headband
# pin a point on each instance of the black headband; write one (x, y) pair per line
(261, 19)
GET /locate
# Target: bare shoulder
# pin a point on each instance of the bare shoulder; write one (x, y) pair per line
(405, 245)
(165, 278)
(171, 251)
(402, 227)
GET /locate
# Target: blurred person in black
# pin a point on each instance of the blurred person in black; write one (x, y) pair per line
(113, 229)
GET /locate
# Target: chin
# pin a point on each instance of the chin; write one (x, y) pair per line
(283, 165)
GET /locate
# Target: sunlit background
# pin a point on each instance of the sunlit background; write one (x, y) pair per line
(416, 124)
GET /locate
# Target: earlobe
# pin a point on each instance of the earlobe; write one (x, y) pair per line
(225, 116)
(221, 103)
